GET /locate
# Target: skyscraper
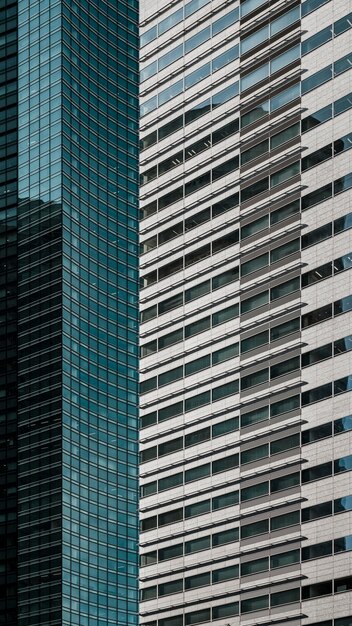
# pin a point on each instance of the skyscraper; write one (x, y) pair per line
(68, 524)
(246, 178)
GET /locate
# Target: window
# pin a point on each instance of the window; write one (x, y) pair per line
(343, 544)
(283, 406)
(170, 446)
(256, 151)
(197, 255)
(149, 314)
(224, 537)
(343, 504)
(285, 597)
(285, 250)
(225, 131)
(169, 377)
(284, 289)
(170, 481)
(255, 114)
(285, 482)
(196, 40)
(286, 443)
(317, 79)
(319, 354)
(224, 354)
(170, 517)
(148, 385)
(196, 545)
(197, 219)
(148, 420)
(285, 174)
(197, 401)
(315, 197)
(316, 40)
(255, 77)
(284, 59)
(317, 235)
(225, 278)
(255, 341)
(254, 416)
(197, 617)
(197, 291)
(197, 327)
(284, 521)
(230, 610)
(317, 551)
(255, 264)
(170, 268)
(198, 508)
(197, 111)
(285, 97)
(285, 367)
(171, 621)
(254, 454)
(317, 394)
(317, 511)
(225, 390)
(311, 5)
(257, 378)
(225, 168)
(284, 212)
(224, 464)
(201, 580)
(319, 273)
(313, 159)
(254, 302)
(150, 558)
(284, 559)
(227, 240)
(169, 164)
(314, 434)
(317, 472)
(197, 365)
(149, 348)
(317, 118)
(223, 428)
(171, 552)
(225, 573)
(319, 589)
(343, 424)
(254, 227)
(225, 205)
(253, 40)
(319, 315)
(170, 411)
(284, 329)
(255, 604)
(174, 586)
(252, 567)
(254, 189)
(170, 339)
(224, 501)
(257, 528)
(225, 315)
(149, 454)
(198, 436)
(256, 491)
(285, 135)
(197, 473)
(148, 594)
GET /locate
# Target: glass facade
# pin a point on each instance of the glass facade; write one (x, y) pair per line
(72, 196)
